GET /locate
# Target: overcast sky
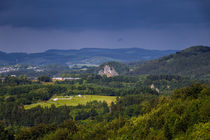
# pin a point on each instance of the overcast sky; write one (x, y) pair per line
(38, 25)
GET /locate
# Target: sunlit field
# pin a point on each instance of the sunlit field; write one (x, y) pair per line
(72, 100)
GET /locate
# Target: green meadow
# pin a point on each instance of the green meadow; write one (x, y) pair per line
(72, 100)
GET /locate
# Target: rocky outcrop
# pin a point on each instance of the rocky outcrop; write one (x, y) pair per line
(153, 87)
(108, 71)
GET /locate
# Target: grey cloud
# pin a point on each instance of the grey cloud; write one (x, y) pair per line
(101, 14)
(30, 40)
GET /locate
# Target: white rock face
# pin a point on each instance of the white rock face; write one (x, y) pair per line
(153, 87)
(108, 71)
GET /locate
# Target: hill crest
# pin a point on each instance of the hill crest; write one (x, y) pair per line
(193, 61)
(82, 56)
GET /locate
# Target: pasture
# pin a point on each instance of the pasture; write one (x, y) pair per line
(72, 100)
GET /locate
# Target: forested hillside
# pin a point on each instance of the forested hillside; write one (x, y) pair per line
(192, 62)
(184, 115)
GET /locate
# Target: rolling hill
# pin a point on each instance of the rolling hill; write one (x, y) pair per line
(193, 62)
(82, 56)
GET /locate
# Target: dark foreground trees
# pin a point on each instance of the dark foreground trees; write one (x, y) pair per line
(184, 115)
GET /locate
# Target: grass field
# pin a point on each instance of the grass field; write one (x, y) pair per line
(72, 100)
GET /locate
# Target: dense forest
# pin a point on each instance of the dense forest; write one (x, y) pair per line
(139, 112)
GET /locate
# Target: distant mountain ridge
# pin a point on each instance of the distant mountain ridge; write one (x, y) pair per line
(82, 56)
(192, 62)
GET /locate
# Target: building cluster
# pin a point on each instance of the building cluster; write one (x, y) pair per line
(64, 78)
(14, 68)
(8, 69)
(36, 69)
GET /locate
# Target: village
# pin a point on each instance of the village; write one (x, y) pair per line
(14, 68)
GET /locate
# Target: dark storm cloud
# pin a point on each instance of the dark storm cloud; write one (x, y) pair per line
(38, 25)
(102, 14)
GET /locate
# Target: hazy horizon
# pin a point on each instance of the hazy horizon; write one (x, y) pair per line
(94, 48)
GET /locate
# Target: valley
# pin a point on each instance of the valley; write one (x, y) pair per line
(164, 98)
(104, 70)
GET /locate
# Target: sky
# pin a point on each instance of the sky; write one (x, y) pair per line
(38, 25)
